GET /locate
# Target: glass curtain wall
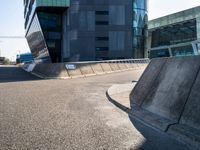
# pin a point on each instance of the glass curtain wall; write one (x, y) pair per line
(36, 41)
(140, 22)
(175, 34)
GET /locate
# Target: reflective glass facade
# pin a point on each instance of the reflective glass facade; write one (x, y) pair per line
(43, 23)
(36, 40)
(175, 34)
(140, 24)
(53, 3)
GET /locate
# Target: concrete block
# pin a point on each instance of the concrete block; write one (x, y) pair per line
(106, 67)
(97, 68)
(141, 90)
(169, 92)
(49, 70)
(122, 66)
(161, 95)
(134, 66)
(86, 69)
(129, 65)
(188, 129)
(114, 66)
(74, 73)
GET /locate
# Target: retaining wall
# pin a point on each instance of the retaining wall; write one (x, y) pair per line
(59, 70)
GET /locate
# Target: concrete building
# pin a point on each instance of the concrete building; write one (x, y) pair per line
(177, 34)
(84, 30)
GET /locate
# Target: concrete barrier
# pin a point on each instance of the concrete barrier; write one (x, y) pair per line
(97, 68)
(48, 70)
(167, 97)
(106, 67)
(114, 66)
(75, 73)
(122, 66)
(81, 69)
(130, 66)
(86, 69)
(189, 125)
(139, 93)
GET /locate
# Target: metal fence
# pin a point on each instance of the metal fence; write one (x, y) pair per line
(136, 61)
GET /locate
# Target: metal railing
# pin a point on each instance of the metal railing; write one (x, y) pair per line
(136, 61)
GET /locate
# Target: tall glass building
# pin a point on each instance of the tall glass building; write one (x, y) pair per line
(84, 30)
(140, 28)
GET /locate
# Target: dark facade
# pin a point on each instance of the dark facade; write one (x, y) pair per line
(175, 35)
(84, 30)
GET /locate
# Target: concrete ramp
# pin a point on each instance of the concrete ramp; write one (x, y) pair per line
(167, 96)
(48, 70)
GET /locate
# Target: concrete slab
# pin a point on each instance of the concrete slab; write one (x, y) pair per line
(74, 73)
(146, 81)
(51, 70)
(106, 67)
(129, 65)
(97, 68)
(86, 69)
(165, 93)
(186, 134)
(134, 66)
(114, 66)
(122, 66)
(188, 129)
(171, 88)
(191, 114)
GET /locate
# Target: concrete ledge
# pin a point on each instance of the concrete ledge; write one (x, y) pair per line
(59, 70)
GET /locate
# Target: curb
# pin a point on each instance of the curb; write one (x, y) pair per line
(122, 107)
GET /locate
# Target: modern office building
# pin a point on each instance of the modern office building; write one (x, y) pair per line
(177, 34)
(84, 30)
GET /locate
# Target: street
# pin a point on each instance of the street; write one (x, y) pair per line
(64, 114)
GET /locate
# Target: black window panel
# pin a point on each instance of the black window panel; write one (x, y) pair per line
(102, 48)
(159, 53)
(102, 13)
(101, 22)
(102, 38)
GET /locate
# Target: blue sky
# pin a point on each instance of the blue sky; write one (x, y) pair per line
(12, 21)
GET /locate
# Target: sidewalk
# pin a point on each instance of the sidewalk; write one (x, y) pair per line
(119, 94)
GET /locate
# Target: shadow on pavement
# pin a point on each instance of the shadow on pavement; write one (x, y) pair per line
(15, 74)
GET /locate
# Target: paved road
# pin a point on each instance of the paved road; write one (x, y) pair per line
(64, 114)
(14, 74)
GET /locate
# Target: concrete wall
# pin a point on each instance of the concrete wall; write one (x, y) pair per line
(59, 70)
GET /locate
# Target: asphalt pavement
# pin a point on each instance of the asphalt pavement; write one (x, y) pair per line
(72, 114)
